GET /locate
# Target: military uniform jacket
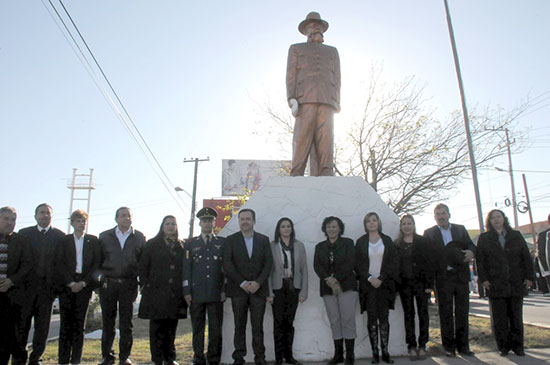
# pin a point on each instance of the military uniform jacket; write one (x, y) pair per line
(313, 74)
(203, 276)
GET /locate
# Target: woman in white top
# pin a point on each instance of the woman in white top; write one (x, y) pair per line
(377, 266)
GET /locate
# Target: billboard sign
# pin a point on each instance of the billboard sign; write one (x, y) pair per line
(240, 177)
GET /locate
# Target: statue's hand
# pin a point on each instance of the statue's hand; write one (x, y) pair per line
(293, 103)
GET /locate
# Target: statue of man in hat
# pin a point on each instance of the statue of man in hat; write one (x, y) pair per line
(313, 94)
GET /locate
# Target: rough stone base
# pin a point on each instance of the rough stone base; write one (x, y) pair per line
(307, 201)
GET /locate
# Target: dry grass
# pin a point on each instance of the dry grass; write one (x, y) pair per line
(481, 340)
(91, 353)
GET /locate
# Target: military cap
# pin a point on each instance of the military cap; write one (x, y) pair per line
(207, 212)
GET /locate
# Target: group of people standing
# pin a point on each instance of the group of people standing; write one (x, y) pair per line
(40, 262)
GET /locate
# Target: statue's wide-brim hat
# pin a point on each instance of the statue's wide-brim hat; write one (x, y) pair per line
(312, 17)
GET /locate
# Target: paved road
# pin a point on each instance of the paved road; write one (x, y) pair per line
(533, 357)
(536, 309)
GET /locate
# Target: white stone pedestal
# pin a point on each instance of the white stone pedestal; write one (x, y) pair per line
(307, 201)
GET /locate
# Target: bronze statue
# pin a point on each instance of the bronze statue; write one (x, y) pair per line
(313, 94)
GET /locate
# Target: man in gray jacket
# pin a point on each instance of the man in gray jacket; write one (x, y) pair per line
(313, 94)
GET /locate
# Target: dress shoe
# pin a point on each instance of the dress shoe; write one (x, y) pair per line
(519, 352)
(413, 355)
(260, 362)
(126, 362)
(421, 353)
(504, 352)
(238, 362)
(173, 362)
(466, 352)
(450, 353)
(292, 360)
(109, 361)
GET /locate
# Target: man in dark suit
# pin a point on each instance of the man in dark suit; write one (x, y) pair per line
(15, 265)
(454, 250)
(77, 266)
(121, 249)
(44, 241)
(204, 289)
(543, 252)
(247, 264)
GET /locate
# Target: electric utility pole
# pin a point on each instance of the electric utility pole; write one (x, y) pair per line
(194, 195)
(466, 118)
(510, 172)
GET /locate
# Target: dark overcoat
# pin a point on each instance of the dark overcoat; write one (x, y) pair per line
(343, 270)
(506, 268)
(389, 271)
(160, 272)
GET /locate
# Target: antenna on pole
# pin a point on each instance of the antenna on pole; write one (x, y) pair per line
(81, 182)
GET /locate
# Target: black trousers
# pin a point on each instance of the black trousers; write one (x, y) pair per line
(241, 305)
(12, 334)
(117, 294)
(285, 304)
(453, 302)
(39, 307)
(215, 321)
(507, 316)
(72, 309)
(162, 334)
(411, 291)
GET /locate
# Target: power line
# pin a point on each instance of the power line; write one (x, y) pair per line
(150, 155)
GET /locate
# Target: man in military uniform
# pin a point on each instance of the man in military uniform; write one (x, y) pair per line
(203, 287)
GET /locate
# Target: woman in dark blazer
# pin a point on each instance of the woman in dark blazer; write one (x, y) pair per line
(287, 286)
(78, 257)
(162, 302)
(333, 263)
(377, 266)
(505, 270)
(416, 276)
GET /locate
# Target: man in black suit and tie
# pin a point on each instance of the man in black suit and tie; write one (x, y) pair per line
(41, 292)
(247, 264)
(15, 265)
(77, 266)
(121, 249)
(454, 250)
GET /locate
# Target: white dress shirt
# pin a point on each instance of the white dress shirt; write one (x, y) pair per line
(79, 248)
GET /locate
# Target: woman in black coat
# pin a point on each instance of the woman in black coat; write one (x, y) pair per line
(416, 277)
(333, 263)
(162, 302)
(377, 266)
(505, 270)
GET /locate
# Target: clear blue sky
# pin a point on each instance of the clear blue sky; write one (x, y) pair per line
(189, 73)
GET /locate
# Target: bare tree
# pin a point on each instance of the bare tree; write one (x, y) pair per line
(406, 154)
